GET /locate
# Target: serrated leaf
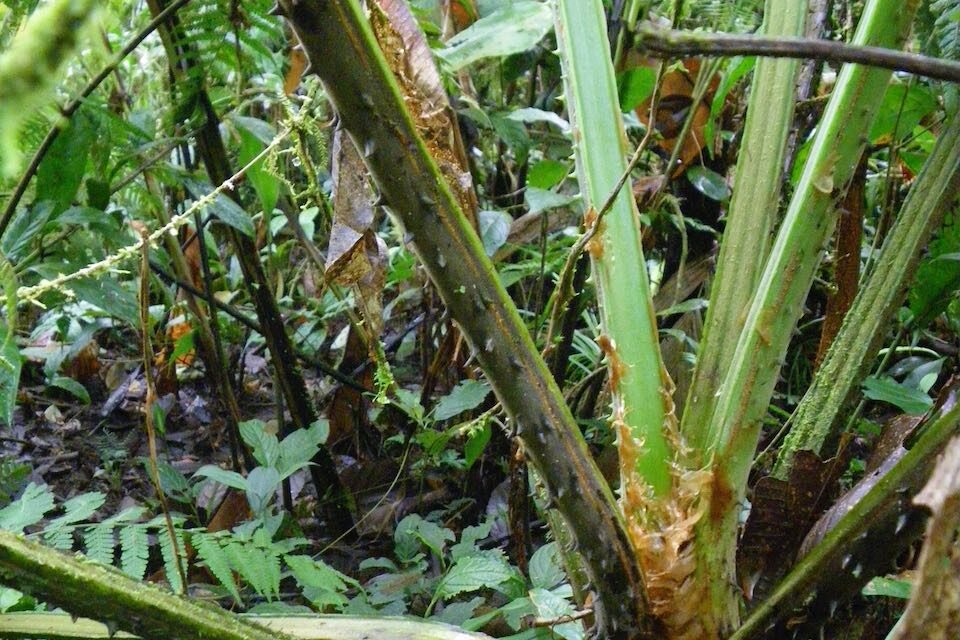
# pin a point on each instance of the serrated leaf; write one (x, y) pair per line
(322, 585)
(134, 549)
(99, 543)
(467, 395)
(545, 569)
(472, 573)
(469, 539)
(172, 555)
(258, 566)
(212, 555)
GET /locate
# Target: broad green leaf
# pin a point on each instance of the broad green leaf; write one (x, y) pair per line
(222, 207)
(551, 606)
(10, 363)
(709, 183)
(472, 573)
(72, 387)
(476, 443)
(886, 389)
(413, 531)
(61, 171)
(251, 132)
(28, 509)
(264, 445)
(634, 86)
(938, 275)
(109, 295)
(322, 585)
(494, 230)
(512, 29)
(545, 569)
(469, 540)
(299, 448)
(541, 200)
(904, 106)
(889, 587)
(262, 484)
(547, 174)
(24, 228)
(465, 396)
(223, 476)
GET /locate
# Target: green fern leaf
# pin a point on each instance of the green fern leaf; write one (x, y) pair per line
(59, 533)
(212, 555)
(172, 555)
(134, 549)
(99, 541)
(260, 567)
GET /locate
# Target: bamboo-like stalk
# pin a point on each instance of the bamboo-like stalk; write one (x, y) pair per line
(751, 219)
(819, 417)
(745, 394)
(640, 385)
(340, 45)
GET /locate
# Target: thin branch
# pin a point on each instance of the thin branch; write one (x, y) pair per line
(67, 112)
(670, 43)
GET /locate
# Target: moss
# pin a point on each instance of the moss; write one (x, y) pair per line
(29, 69)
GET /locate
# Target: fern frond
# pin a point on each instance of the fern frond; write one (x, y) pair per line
(134, 549)
(168, 552)
(99, 542)
(59, 532)
(258, 565)
(946, 27)
(211, 554)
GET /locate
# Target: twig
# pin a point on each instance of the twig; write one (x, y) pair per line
(671, 43)
(67, 111)
(150, 403)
